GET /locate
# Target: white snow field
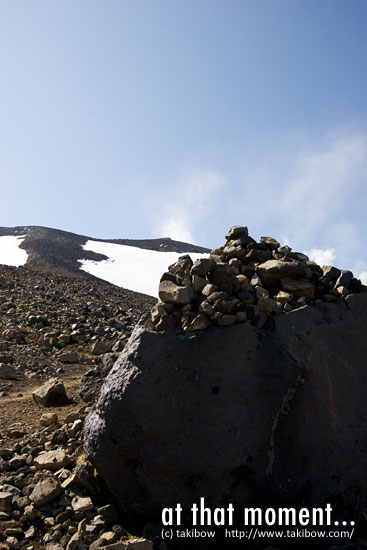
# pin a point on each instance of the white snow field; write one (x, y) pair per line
(10, 253)
(131, 267)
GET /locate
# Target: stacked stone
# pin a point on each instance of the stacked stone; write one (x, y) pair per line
(244, 280)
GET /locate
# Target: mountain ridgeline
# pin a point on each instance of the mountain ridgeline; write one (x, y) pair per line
(60, 251)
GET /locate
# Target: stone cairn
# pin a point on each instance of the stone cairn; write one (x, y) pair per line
(244, 281)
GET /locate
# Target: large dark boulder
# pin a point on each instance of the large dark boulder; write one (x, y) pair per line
(238, 414)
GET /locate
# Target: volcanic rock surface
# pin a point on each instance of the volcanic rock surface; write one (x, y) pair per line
(244, 414)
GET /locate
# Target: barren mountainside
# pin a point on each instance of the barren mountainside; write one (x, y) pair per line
(59, 251)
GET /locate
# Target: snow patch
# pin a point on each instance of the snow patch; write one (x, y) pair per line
(10, 253)
(131, 267)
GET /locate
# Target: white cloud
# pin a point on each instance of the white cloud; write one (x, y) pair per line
(193, 201)
(320, 196)
(177, 228)
(322, 256)
(321, 181)
(309, 192)
(360, 271)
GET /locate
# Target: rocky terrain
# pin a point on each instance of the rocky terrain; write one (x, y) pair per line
(260, 363)
(245, 384)
(61, 329)
(245, 280)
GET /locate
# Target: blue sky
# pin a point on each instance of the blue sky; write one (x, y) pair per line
(146, 118)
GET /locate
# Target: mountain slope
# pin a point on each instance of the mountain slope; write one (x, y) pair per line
(130, 263)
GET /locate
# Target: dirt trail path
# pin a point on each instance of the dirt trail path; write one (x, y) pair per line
(18, 411)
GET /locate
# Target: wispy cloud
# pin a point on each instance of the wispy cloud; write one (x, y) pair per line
(317, 190)
(320, 201)
(310, 193)
(322, 256)
(191, 201)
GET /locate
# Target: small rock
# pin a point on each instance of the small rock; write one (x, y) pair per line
(7, 372)
(98, 521)
(6, 502)
(59, 436)
(16, 433)
(82, 504)
(173, 294)
(255, 255)
(235, 249)
(52, 460)
(270, 242)
(255, 280)
(45, 491)
(166, 323)
(200, 322)
(298, 287)
(64, 338)
(202, 266)
(48, 419)
(71, 417)
(344, 279)
(330, 271)
(299, 256)
(272, 271)
(209, 289)
(71, 480)
(19, 503)
(14, 532)
(5, 452)
(75, 428)
(75, 543)
(182, 266)
(224, 279)
(30, 533)
(68, 357)
(52, 393)
(17, 462)
(283, 297)
(100, 348)
(12, 542)
(237, 231)
(11, 489)
(31, 513)
(198, 283)
(342, 290)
